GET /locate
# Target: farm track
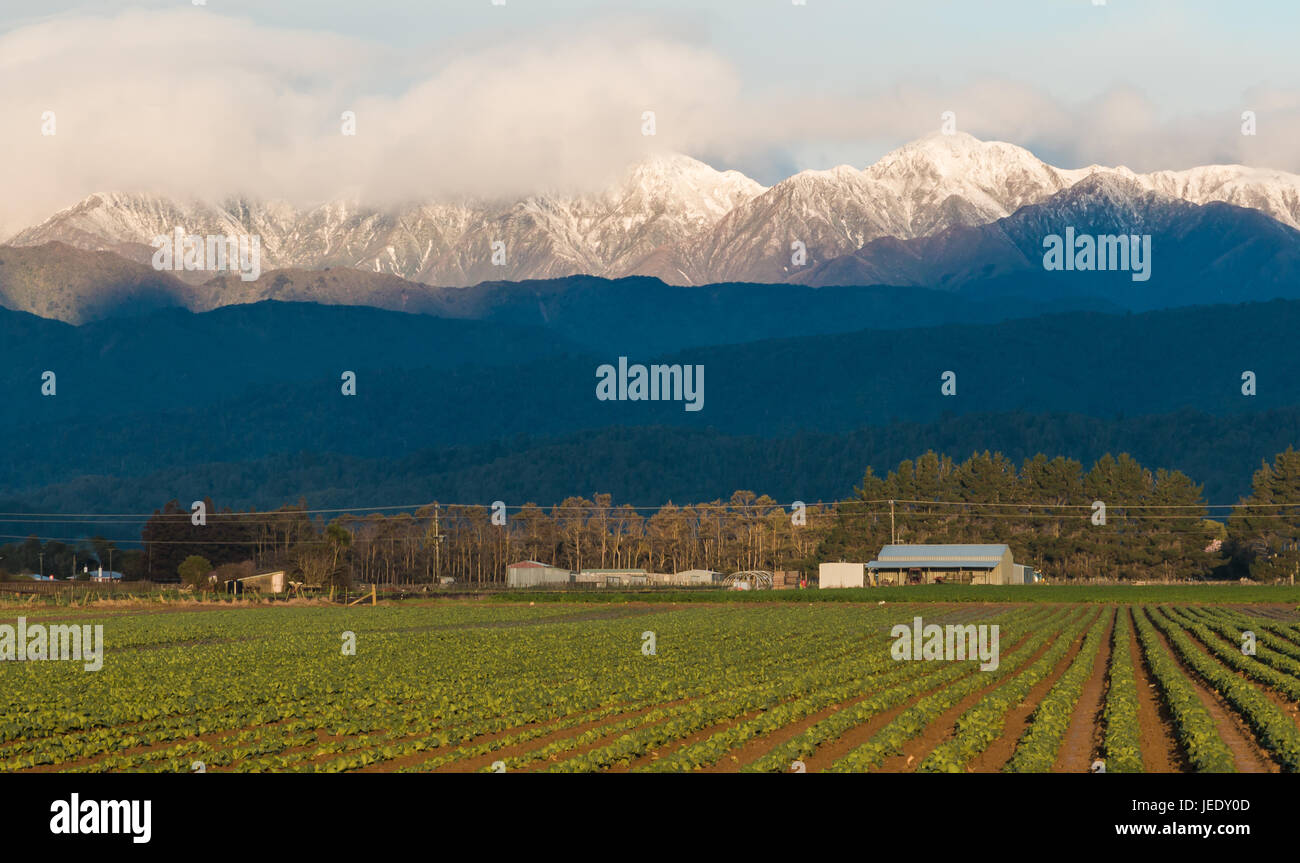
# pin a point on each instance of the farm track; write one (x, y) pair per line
(1247, 754)
(1279, 613)
(1082, 740)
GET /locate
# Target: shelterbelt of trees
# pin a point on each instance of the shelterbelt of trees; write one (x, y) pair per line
(1155, 524)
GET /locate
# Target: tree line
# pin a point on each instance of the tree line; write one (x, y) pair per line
(1115, 519)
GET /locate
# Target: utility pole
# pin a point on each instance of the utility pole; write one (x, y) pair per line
(893, 539)
(437, 548)
(42, 556)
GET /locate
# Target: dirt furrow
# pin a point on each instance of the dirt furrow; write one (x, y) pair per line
(1161, 752)
(1247, 754)
(1016, 720)
(918, 747)
(1082, 741)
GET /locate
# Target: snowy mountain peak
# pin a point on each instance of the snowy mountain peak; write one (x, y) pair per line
(699, 191)
(956, 154)
(667, 215)
(677, 167)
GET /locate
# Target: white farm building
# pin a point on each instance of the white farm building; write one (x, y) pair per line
(531, 573)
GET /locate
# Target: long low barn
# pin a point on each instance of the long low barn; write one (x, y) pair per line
(950, 564)
(531, 573)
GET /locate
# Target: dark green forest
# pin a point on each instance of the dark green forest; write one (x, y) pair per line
(1157, 526)
(244, 405)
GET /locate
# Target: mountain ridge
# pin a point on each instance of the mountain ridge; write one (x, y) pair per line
(669, 216)
(1211, 253)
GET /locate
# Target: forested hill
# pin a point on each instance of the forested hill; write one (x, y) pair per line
(247, 402)
(265, 378)
(657, 464)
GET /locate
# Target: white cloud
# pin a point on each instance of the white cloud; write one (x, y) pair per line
(188, 103)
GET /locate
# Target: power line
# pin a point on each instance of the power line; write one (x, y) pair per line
(611, 510)
(828, 517)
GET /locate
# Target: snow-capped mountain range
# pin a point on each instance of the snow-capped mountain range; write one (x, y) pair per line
(1208, 253)
(671, 217)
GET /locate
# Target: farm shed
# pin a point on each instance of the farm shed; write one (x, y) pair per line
(264, 582)
(948, 564)
(614, 577)
(1024, 574)
(697, 576)
(841, 575)
(531, 573)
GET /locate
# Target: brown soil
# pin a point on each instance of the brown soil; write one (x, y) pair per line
(598, 743)
(916, 748)
(1247, 754)
(756, 748)
(1160, 750)
(1016, 721)
(673, 745)
(476, 762)
(470, 765)
(210, 737)
(1082, 741)
(702, 734)
(1288, 707)
(833, 750)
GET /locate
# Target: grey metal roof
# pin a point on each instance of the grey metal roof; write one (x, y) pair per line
(968, 556)
(946, 563)
(957, 550)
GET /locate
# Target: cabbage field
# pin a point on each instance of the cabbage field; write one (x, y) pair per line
(642, 686)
